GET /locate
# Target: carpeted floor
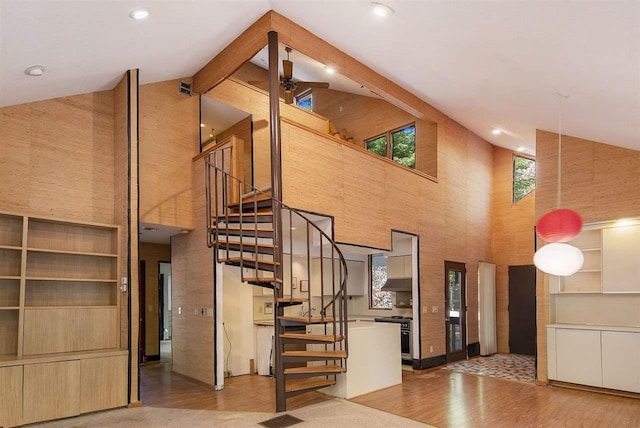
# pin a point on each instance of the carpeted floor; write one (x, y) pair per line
(336, 413)
(506, 366)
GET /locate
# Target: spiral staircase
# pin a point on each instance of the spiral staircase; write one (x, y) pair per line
(250, 230)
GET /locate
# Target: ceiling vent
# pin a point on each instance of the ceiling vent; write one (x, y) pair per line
(184, 88)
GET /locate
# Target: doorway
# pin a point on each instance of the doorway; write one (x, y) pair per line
(522, 310)
(455, 310)
(164, 310)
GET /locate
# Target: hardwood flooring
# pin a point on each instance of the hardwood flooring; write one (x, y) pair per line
(438, 397)
(161, 388)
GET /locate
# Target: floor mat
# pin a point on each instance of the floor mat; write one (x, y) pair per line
(507, 366)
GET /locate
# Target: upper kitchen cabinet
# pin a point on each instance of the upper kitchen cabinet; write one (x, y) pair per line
(621, 259)
(399, 267)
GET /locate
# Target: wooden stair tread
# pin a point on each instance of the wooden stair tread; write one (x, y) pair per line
(261, 279)
(325, 368)
(306, 320)
(311, 383)
(328, 338)
(236, 228)
(248, 261)
(248, 245)
(316, 354)
(292, 299)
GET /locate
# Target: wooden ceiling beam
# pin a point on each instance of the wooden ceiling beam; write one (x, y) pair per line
(254, 38)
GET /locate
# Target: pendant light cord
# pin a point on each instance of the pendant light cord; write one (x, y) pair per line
(559, 199)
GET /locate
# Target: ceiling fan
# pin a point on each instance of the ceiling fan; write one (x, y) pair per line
(287, 84)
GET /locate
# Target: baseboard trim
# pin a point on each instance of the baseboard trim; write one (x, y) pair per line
(152, 357)
(473, 349)
(427, 363)
(594, 389)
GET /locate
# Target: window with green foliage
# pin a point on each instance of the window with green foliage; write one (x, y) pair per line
(378, 299)
(305, 101)
(378, 145)
(402, 148)
(403, 143)
(524, 177)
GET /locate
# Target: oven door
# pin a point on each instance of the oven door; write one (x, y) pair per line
(405, 341)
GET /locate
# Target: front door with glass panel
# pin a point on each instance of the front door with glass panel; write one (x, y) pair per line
(455, 310)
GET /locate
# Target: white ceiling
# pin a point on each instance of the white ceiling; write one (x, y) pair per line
(484, 63)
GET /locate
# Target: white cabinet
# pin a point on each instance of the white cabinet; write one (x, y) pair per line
(578, 356)
(357, 278)
(621, 360)
(621, 259)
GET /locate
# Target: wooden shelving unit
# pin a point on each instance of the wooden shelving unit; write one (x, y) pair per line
(59, 316)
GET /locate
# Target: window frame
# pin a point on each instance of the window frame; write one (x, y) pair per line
(389, 136)
(305, 94)
(370, 286)
(513, 177)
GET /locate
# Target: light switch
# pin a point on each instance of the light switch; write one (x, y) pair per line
(179, 310)
(434, 309)
(425, 309)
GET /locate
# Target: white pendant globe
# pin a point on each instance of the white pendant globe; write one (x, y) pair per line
(558, 259)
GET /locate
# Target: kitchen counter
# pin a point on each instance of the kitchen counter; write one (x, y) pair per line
(374, 360)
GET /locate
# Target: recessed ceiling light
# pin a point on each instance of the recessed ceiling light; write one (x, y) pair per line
(185, 231)
(141, 13)
(522, 149)
(202, 125)
(381, 9)
(150, 229)
(34, 70)
(496, 131)
(329, 69)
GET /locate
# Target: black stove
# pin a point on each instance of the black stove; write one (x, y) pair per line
(394, 318)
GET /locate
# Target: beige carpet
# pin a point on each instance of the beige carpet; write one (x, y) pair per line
(334, 413)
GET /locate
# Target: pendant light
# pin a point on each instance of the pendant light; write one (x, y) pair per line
(558, 226)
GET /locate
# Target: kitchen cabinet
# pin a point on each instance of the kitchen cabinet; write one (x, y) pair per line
(621, 360)
(578, 356)
(621, 259)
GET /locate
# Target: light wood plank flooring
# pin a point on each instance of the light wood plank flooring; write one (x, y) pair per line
(439, 397)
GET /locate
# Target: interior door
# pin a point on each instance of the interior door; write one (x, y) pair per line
(142, 308)
(522, 310)
(455, 310)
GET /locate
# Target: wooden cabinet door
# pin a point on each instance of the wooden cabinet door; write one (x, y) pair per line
(51, 391)
(11, 396)
(578, 356)
(103, 383)
(621, 259)
(621, 360)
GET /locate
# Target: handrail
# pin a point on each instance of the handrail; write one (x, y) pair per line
(215, 161)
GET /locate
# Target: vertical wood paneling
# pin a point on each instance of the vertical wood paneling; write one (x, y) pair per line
(56, 157)
(169, 138)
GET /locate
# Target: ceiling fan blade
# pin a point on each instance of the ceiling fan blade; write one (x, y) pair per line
(287, 67)
(288, 97)
(323, 85)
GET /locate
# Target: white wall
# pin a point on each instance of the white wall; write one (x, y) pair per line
(238, 322)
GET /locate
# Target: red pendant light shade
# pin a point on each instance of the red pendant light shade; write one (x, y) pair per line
(559, 225)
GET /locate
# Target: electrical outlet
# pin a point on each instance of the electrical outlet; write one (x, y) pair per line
(425, 309)
(431, 349)
(434, 309)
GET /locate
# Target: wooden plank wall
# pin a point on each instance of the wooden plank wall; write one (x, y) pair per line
(169, 138)
(366, 117)
(192, 289)
(152, 254)
(452, 217)
(242, 130)
(598, 180)
(57, 159)
(512, 241)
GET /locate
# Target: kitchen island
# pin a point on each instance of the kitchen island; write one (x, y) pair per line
(374, 360)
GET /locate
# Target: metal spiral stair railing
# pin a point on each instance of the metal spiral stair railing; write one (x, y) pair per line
(238, 220)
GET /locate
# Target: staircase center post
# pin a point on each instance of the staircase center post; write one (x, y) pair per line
(276, 189)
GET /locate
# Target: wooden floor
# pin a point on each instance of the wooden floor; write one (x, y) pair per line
(440, 397)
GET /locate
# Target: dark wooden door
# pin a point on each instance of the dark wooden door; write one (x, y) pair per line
(522, 310)
(141, 299)
(455, 310)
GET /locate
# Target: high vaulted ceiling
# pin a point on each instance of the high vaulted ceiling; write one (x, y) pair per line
(484, 63)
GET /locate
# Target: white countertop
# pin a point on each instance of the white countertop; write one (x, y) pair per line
(596, 327)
